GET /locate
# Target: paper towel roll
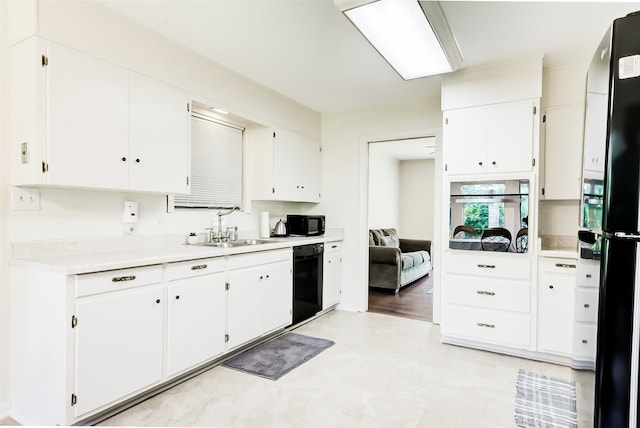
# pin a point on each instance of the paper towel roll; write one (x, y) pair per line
(265, 230)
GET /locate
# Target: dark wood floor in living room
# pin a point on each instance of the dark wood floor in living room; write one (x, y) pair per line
(414, 301)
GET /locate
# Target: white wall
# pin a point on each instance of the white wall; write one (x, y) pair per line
(4, 221)
(345, 137)
(88, 27)
(384, 189)
(417, 209)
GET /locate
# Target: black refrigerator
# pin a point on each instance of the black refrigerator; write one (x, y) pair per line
(617, 357)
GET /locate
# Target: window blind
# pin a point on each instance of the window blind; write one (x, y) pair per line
(216, 165)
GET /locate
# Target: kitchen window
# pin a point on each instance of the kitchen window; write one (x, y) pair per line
(216, 164)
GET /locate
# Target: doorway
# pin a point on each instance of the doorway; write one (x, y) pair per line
(401, 195)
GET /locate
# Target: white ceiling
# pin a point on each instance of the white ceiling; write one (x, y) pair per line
(309, 52)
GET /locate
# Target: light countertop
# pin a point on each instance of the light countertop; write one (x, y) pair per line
(99, 254)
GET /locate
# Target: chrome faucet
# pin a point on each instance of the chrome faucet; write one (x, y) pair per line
(216, 234)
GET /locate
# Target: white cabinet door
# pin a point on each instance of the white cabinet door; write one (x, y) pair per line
(556, 297)
(563, 131)
(332, 275)
(196, 321)
(465, 140)
(244, 305)
(119, 345)
(88, 121)
(595, 132)
(296, 171)
(276, 286)
(159, 154)
(510, 137)
(496, 138)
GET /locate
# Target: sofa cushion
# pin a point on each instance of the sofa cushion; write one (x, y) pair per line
(407, 261)
(389, 241)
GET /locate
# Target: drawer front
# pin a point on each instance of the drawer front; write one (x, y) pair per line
(584, 343)
(589, 273)
(114, 280)
(513, 266)
(501, 328)
(488, 293)
(331, 247)
(191, 268)
(240, 261)
(587, 305)
(557, 265)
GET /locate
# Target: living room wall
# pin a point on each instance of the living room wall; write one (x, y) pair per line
(384, 189)
(416, 199)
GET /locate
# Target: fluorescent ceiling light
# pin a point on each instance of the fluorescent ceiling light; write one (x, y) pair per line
(413, 37)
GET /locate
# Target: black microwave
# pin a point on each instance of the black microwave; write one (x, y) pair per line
(305, 225)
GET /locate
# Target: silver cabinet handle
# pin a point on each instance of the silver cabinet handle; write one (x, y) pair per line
(481, 324)
(585, 341)
(123, 278)
(486, 293)
(588, 275)
(586, 305)
(487, 266)
(565, 265)
(198, 267)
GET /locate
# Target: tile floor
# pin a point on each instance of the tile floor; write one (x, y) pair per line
(383, 371)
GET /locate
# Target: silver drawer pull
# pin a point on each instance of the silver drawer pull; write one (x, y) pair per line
(198, 267)
(481, 324)
(588, 275)
(487, 266)
(486, 293)
(565, 265)
(585, 341)
(123, 278)
(586, 305)
(334, 246)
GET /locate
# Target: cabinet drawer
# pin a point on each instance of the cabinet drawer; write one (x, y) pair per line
(332, 247)
(114, 280)
(503, 328)
(584, 342)
(589, 273)
(488, 293)
(259, 258)
(496, 265)
(191, 268)
(557, 265)
(587, 305)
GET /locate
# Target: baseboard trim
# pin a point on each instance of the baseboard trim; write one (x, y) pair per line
(5, 408)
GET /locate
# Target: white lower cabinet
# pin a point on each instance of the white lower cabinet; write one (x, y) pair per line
(556, 297)
(487, 299)
(586, 313)
(332, 274)
(119, 344)
(81, 344)
(196, 313)
(260, 295)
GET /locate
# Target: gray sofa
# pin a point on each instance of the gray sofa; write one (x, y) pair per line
(395, 262)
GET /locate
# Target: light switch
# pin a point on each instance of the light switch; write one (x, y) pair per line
(25, 199)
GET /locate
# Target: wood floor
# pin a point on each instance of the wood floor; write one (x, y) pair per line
(413, 301)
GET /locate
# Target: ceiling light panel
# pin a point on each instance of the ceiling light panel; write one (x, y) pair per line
(401, 33)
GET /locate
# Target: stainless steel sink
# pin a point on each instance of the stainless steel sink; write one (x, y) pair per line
(238, 243)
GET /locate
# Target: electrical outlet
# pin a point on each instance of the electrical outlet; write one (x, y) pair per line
(25, 199)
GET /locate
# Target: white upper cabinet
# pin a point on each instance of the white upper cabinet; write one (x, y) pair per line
(496, 138)
(78, 121)
(595, 132)
(283, 166)
(159, 154)
(562, 127)
(88, 110)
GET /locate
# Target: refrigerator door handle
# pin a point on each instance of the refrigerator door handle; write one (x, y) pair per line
(623, 235)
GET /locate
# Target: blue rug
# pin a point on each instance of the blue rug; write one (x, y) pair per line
(277, 357)
(545, 402)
